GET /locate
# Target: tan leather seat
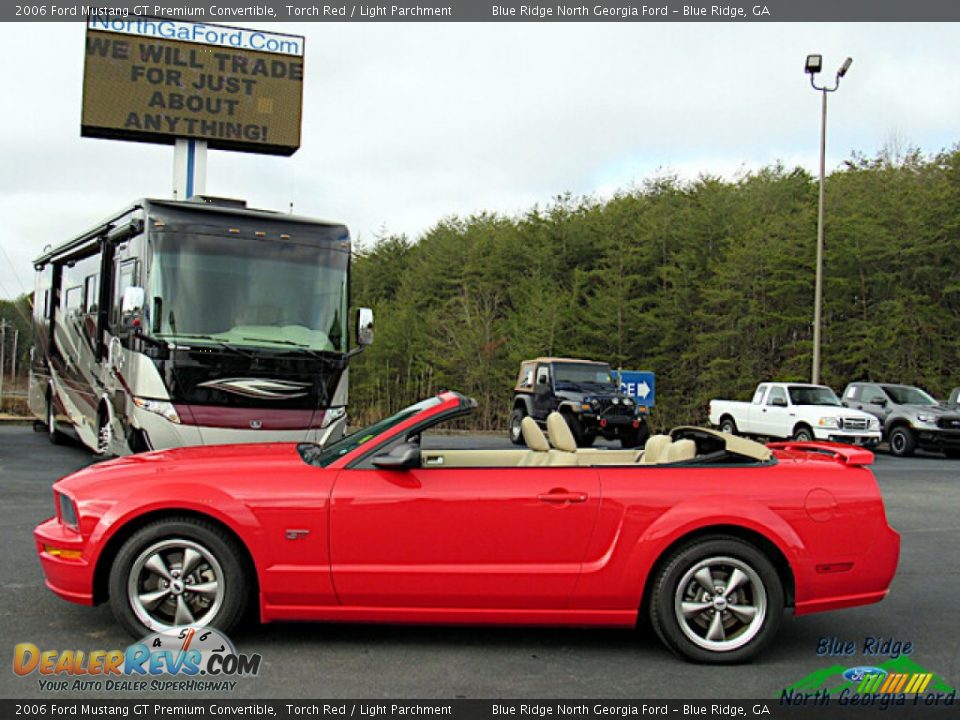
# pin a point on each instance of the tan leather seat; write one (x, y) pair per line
(655, 450)
(539, 452)
(681, 450)
(561, 437)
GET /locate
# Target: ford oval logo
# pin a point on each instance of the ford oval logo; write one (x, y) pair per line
(856, 674)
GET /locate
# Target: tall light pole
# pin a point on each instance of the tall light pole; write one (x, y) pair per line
(813, 66)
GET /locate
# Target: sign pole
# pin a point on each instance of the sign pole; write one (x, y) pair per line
(189, 168)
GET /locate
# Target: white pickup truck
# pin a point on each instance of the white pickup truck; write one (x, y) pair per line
(795, 410)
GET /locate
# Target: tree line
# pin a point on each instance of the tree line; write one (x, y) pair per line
(708, 283)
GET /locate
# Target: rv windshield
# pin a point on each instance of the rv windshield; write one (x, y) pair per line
(254, 293)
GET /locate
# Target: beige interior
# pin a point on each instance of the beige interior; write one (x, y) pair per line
(655, 450)
(561, 437)
(659, 449)
(681, 450)
(533, 436)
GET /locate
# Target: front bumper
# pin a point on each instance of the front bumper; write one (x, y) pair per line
(71, 579)
(865, 438)
(937, 439)
(161, 434)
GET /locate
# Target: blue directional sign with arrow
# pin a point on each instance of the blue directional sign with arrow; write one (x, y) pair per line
(640, 385)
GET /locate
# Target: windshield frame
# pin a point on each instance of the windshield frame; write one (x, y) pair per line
(327, 455)
(269, 337)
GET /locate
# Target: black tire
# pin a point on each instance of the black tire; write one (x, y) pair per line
(728, 425)
(952, 454)
(53, 434)
(902, 442)
(761, 591)
(635, 438)
(221, 562)
(516, 433)
(803, 433)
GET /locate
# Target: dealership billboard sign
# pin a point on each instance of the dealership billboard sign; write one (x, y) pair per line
(156, 80)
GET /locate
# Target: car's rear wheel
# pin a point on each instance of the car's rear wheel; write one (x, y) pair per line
(804, 434)
(902, 442)
(728, 425)
(516, 429)
(717, 600)
(177, 572)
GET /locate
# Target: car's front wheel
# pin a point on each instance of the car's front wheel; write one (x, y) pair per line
(717, 600)
(902, 442)
(180, 571)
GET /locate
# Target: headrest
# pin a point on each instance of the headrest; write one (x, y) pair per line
(561, 437)
(533, 436)
(681, 450)
(655, 449)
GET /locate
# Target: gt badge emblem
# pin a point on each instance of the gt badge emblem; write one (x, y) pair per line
(297, 534)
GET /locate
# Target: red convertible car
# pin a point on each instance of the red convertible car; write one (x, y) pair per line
(709, 535)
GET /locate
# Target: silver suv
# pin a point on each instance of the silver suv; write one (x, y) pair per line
(911, 418)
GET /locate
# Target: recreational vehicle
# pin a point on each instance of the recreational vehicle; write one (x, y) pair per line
(194, 323)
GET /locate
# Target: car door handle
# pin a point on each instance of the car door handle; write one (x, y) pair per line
(438, 460)
(562, 496)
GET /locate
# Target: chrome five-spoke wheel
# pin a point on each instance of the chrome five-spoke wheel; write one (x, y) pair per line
(720, 604)
(717, 599)
(180, 571)
(175, 582)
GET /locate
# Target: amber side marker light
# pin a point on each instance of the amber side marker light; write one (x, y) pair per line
(63, 553)
(835, 567)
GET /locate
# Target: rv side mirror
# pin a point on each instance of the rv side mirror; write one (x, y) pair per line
(365, 327)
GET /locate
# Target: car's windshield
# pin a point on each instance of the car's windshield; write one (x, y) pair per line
(812, 395)
(249, 292)
(323, 456)
(908, 395)
(583, 374)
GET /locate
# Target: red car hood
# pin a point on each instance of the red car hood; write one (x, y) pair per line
(202, 461)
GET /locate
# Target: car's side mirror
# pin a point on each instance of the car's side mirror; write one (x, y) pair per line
(882, 402)
(365, 327)
(402, 457)
(779, 402)
(543, 380)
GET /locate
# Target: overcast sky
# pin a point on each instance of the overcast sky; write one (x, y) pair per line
(405, 124)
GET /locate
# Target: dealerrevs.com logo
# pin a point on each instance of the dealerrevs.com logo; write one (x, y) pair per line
(187, 659)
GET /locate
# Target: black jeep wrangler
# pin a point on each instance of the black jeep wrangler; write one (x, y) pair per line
(585, 393)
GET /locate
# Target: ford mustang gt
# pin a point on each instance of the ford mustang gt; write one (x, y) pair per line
(709, 536)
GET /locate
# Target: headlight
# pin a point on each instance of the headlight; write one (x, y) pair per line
(158, 407)
(331, 416)
(874, 424)
(628, 401)
(828, 422)
(67, 510)
(926, 418)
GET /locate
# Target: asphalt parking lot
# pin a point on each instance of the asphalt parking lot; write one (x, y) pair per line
(922, 495)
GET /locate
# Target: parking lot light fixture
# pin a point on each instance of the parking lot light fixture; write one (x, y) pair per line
(813, 66)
